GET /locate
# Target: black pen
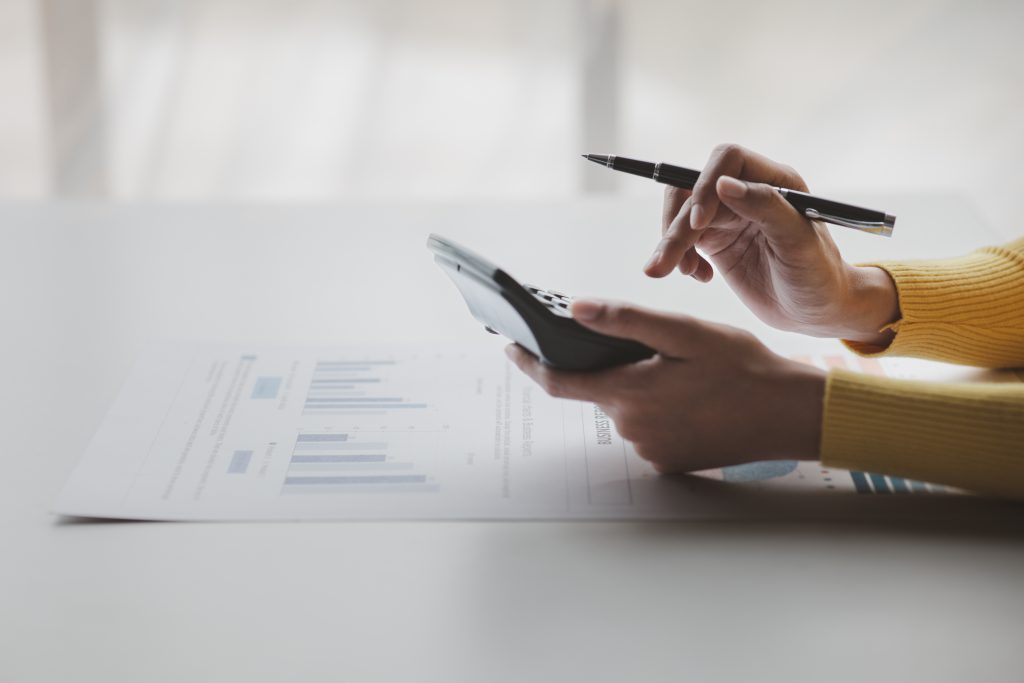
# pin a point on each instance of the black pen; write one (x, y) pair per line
(815, 208)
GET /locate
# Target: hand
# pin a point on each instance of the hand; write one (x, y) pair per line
(784, 267)
(712, 396)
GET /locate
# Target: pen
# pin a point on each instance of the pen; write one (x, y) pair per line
(815, 208)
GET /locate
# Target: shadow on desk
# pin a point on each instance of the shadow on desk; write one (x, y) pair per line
(691, 501)
(708, 500)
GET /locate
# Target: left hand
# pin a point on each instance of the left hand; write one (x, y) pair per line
(712, 396)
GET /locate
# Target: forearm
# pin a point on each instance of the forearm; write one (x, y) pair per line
(969, 436)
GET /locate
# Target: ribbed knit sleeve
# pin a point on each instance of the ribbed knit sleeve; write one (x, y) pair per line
(967, 435)
(967, 310)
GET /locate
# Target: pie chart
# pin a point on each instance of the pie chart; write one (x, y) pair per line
(759, 471)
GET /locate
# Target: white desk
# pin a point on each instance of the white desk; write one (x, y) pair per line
(86, 287)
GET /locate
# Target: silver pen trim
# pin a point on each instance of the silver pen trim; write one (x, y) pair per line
(883, 227)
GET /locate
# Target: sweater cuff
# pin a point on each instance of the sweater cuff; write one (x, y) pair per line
(967, 310)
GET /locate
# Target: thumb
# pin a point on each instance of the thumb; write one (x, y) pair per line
(671, 335)
(764, 206)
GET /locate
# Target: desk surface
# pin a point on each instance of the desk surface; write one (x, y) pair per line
(86, 287)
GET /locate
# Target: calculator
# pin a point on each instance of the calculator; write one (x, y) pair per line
(537, 319)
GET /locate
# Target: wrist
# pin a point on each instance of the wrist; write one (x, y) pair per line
(871, 304)
(803, 408)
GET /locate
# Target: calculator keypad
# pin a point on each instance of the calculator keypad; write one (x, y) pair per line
(556, 302)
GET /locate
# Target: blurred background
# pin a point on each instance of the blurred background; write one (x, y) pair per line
(408, 100)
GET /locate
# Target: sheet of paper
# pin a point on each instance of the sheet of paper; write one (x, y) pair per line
(214, 433)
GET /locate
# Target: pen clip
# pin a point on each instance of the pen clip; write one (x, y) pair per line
(874, 227)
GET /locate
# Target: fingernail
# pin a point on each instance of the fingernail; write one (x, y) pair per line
(696, 216)
(731, 187)
(586, 310)
(655, 257)
(510, 351)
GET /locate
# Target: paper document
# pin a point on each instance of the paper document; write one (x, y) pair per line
(214, 433)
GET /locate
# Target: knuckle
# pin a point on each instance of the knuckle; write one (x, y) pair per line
(744, 339)
(728, 150)
(794, 178)
(748, 337)
(625, 317)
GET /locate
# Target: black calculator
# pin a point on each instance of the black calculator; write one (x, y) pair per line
(535, 318)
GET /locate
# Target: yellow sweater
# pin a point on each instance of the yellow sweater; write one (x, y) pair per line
(967, 310)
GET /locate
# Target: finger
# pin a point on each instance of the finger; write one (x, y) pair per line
(704, 272)
(679, 237)
(672, 204)
(579, 386)
(672, 335)
(689, 262)
(763, 205)
(735, 161)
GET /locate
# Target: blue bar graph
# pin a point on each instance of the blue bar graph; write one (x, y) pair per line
(349, 363)
(879, 483)
(306, 447)
(367, 406)
(323, 468)
(361, 413)
(316, 438)
(360, 457)
(341, 464)
(899, 485)
(345, 380)
(358, 479)
(860, 482)
(346, 399)
(333, 390)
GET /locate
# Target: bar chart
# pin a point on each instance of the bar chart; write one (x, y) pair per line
(341, 463)
(355, 387)
(868, 482)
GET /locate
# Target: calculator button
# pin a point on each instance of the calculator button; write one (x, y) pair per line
(556, 302)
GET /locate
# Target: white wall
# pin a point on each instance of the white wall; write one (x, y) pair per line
(320, 100)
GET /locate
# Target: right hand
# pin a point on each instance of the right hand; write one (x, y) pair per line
(784, 267)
